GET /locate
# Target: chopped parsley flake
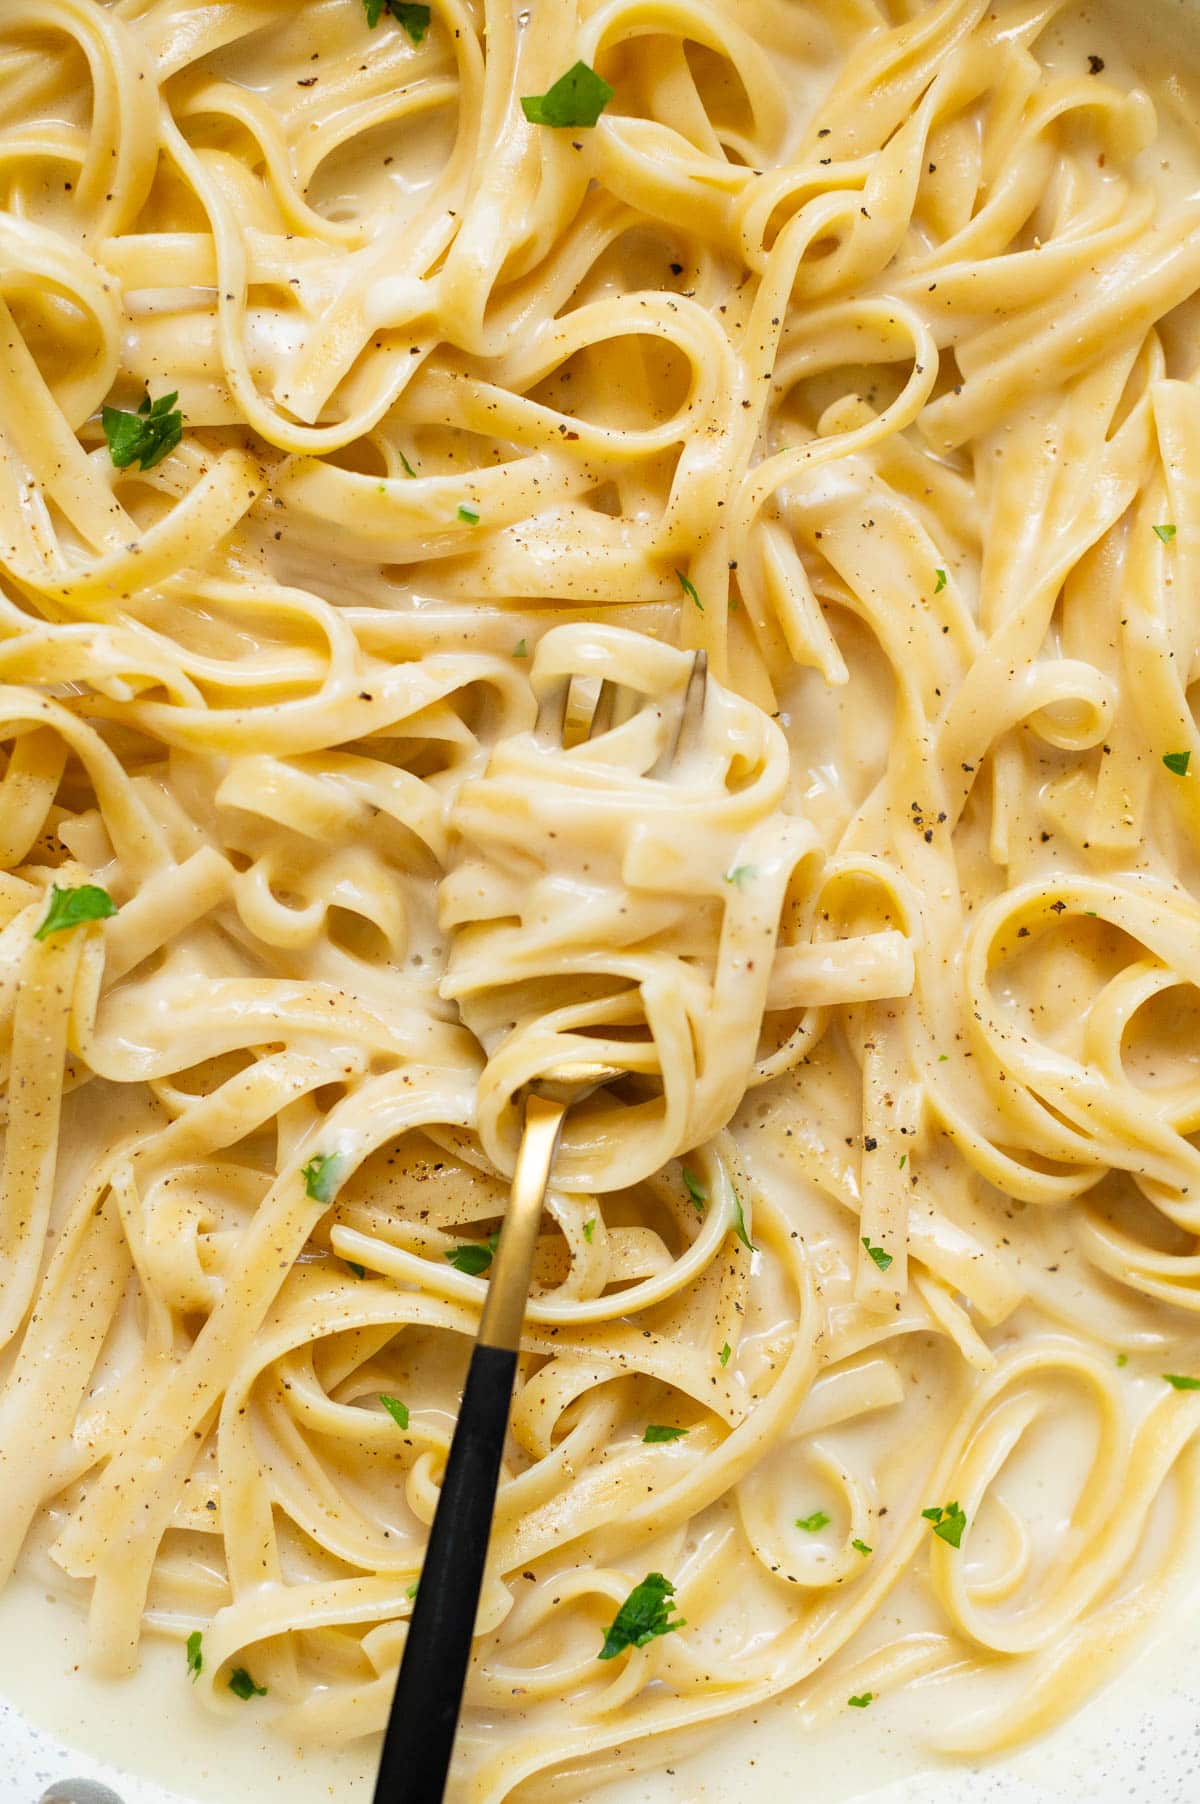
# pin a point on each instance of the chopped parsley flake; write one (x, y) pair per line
(243, 1686)
(195, 1659)
(577, 98)
(882, 1259)
(144, 437)
(697, 1194)
(645, 1613)
(1179, 1382)
(322, 1176)
(472, 1258)
(413, 17)
(861, 1702)
(810, 1524)
(589, 1228)
(408, 469)
(1177, 762)
(940, 583)
(412, 1589)
(469, 515)
(72, 907)
(725, 1354)
(739, 1224)
(690, 590)
(861, 1547)
(396, 1410)
(1122, 1359)
(1166, 533)
(656, 1432)
(949, 1521)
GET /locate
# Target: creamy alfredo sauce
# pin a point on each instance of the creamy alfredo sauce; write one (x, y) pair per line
(903, 1655)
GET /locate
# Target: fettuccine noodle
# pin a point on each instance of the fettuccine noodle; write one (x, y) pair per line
(854, 343)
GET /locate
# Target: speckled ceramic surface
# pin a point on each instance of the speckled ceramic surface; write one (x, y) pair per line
(35, 1768)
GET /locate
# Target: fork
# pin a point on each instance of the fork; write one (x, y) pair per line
(419, 1740)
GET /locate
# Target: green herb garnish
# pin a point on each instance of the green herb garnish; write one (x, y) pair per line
(860, 1703)
(589, 1228)
(72, 907)
(146, 436)
(1122, 1359)
(725, 1354)
(243, 1686)
(195, 1659)
(949, 1521)
(471, 1258)
(1166, 533)
(408, 469)
(577, 98)
(940, 584)
(414, 18)
(1179, 1382)
(656, 1432)
(861, 1547)
(882, 1259)
(645, 1613)
(741, 874)
(396, 1410)
(690, 590)
(1177, 762)
(321, 1176)
(469, 515)
(739, 1224)
(810, 1524)
(412, 1589)
(697, 1194)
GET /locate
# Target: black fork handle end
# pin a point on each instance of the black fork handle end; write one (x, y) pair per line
(420, 1734)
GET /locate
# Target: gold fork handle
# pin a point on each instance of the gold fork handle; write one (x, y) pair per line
(508, 1289)
(415, 1761)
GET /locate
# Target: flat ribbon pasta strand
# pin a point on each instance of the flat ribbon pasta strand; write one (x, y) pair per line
(852, 344)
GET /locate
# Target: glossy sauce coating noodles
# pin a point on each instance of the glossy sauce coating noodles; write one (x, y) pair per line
(854, 343)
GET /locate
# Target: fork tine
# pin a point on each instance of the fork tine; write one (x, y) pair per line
(603, 713)
(551, 715)
(691, 719)
(579, 710)
(583, 709)
(626, 704)
(694, 700)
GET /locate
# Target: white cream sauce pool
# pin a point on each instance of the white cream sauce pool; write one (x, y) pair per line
(1137, 1739)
